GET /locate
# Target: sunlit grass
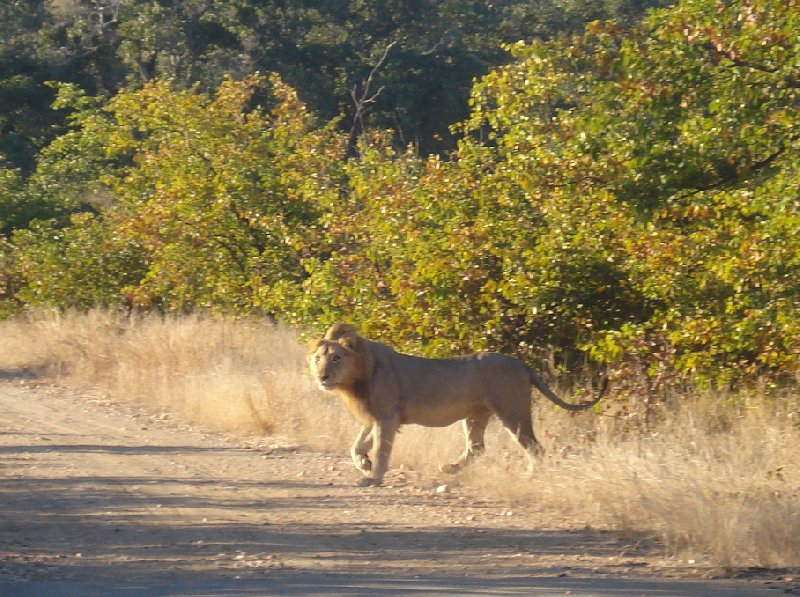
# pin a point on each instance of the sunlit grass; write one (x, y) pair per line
(717, 479)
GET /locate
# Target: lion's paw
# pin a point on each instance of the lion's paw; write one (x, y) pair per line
(363, 463)
(449, 469)
(368, 481)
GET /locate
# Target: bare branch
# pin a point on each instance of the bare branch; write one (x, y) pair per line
(366, 98)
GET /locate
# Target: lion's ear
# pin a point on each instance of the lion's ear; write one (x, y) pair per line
(353, 342)
(339, 330)
(313, 345)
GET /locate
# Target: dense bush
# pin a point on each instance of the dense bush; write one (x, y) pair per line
(634, 194)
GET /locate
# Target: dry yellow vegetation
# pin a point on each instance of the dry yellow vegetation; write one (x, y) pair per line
(715, 477)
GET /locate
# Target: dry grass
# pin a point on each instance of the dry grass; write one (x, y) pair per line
(716, 479)
(720, 483)
(233, 376)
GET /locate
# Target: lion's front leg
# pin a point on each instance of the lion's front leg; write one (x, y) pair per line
(359, 451)
(383, 433)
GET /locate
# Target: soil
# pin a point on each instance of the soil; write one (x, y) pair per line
(99, 498)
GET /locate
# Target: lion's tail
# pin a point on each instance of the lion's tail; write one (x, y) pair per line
(545, 389)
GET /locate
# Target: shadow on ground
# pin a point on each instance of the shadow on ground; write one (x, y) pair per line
(86, 535)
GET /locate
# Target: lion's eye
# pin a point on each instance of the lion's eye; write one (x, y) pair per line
(335, 358)
(316, 359)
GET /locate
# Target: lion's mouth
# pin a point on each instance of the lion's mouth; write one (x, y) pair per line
(325, 384)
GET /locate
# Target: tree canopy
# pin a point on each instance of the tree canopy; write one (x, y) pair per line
(325, 50)
(630, 190)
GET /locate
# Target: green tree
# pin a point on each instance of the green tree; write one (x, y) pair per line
(629, 192)
(325, 50)
(24, 107)
(203, 197)
(664, 149)
(81, 265)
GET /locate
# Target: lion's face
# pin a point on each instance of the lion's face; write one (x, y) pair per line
(332, 364)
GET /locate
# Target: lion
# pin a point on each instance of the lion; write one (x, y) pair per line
(384, 389)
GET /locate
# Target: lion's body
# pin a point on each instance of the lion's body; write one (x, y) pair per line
(384, 389)
(439, 392)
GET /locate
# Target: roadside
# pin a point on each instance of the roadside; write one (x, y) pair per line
(99, 498)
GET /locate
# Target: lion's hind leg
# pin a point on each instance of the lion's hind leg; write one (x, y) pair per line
(474, 428)
(519, 426)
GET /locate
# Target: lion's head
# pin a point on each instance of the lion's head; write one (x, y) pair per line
(335, 360)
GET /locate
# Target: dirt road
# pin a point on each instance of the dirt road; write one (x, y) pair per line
(104, 499)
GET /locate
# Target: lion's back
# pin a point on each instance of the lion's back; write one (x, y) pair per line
(506, 376)
(440, 391)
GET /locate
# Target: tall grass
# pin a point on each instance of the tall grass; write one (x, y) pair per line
(716, 478)
(242, 377)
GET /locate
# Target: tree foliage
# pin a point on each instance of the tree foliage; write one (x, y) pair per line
(631, 192)
(660, 153)
(324, 50)
(193, 195)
